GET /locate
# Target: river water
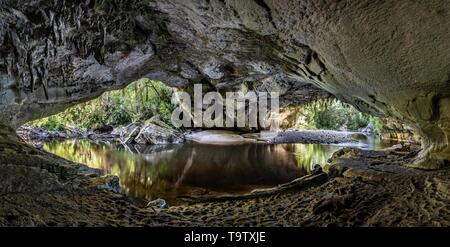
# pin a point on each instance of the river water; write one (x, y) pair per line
(151, 172)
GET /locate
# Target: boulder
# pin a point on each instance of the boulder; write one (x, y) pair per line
(74, 132)
(158, 203)
(117, 131)
(130, 132)
(37, 134)
(216, 137)
(157, 132)
(104, 129)
(369, 129)
(38, 145)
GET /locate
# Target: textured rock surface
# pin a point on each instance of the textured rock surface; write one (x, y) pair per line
(58, 53)
(388, 58)
(152, 131)
(364, 188)
(216, 137)
(129, 133)
(157, 132)
(397, 131)
(316, 136)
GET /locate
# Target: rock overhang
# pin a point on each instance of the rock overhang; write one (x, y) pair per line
(386, 58)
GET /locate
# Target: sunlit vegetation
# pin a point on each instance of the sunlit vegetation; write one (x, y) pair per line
(138, 102)
(311, 154)
(138, 177)
(166, 173)
(145, 98)
(332, 114)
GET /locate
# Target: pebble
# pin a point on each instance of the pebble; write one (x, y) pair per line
(158, 203)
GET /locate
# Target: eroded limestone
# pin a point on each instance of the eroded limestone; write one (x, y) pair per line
(387, 58)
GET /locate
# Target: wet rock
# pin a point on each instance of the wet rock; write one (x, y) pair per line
(158, 203)
(359, 136)
(154, 131)
(100, 136)
(83, 169)
(155, 134)
(105, 133)
(39, 145)
(346, 152)
(263, 136)
(397, 146)
(149, 149)
(317, 169)
(105, 129)
(313, 136)
(31, 134)
(116, 131)
(369, 129)
(334, 170)
(37, 134)
(74, 133)
(130, 132)
(216, 137)
(110, 183)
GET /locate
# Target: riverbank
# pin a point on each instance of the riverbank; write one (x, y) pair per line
(30, 134)
(316, 136)
(362, 188)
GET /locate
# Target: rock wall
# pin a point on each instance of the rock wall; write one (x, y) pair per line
(394, 130)
(55, 54)
(387, 58)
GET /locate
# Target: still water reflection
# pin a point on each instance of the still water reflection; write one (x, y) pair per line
(168, 171)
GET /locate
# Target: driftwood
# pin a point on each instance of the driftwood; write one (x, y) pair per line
(296, 184)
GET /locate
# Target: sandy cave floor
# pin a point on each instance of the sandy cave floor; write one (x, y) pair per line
(363, 188)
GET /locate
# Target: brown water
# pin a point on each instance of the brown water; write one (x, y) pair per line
(152, 172)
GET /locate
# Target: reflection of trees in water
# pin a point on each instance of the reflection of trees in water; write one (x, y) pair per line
(308, 155)
(234, 167)
(223, 168)
(84, 152)
(163, 171)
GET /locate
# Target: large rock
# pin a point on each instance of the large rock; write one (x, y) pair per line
(157, 132)
(37, 134)
(216, 137)
(369, 129)
(395, 130)
(104, 129)
(384, 57)
(58, 55)
(130, 132)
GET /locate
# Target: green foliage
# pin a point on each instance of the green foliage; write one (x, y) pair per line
(139, 101)
(51, 123)
(334, 115)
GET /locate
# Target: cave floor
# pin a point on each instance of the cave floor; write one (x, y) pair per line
(364, 188)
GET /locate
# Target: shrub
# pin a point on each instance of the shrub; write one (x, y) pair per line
(334, 115)
(51, 123)
(138, 102)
